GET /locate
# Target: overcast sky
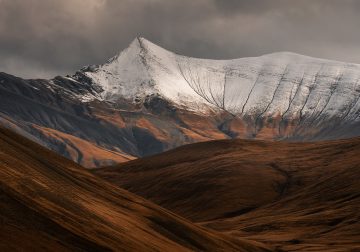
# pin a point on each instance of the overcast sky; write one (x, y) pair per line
(44, 38)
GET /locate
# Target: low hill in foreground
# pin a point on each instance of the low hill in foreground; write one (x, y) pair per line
(293, 196)
(48, 203)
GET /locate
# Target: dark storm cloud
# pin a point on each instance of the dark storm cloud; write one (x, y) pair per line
(253, 6)
(42, 38)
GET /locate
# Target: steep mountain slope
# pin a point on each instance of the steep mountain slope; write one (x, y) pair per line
(50, 203)
(294, 196)
(281, 92)
(259, 86)
(146, 100)
(115, 132)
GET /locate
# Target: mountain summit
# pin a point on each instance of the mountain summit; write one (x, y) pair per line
(145, 69)
(147, 99)
(286, 84)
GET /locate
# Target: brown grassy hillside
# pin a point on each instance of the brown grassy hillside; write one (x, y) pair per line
(48, 203)
(294, 196)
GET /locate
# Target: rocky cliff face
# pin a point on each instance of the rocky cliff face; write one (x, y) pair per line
(146, 100)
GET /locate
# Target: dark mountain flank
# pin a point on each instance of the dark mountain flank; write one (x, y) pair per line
(147, 100)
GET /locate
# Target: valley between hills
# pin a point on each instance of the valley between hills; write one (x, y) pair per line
(154, 151)
(179, 126)
(227, 195)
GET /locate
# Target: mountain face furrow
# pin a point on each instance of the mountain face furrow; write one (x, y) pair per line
(354, 109)
(249, 94)
(146, 100)
(271, 101)
(291, 98)
(327, 101)
(352, 105)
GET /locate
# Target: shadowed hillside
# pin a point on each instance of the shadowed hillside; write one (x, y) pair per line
(294, 196)
(48, 203)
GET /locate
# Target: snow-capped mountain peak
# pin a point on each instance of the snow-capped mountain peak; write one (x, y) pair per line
(145, 69)
(281, 84)
(147, 99)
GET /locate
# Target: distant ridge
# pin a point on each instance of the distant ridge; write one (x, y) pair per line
(146, 100)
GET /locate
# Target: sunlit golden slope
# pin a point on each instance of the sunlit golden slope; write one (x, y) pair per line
(48, 203)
